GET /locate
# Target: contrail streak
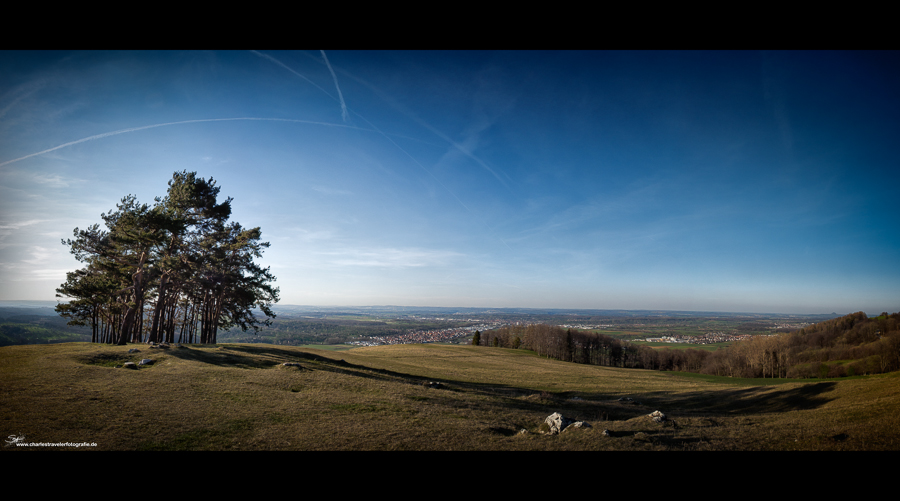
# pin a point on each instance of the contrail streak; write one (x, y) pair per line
(376, 129)
(279, 63)
(344, 113)
(23, 91)
(135, 129)
(14, 102)
(386, 136)
(396, 105)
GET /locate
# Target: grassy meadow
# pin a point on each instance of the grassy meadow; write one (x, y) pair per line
(239, 397)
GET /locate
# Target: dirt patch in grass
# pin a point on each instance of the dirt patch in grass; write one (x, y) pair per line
(108, 359)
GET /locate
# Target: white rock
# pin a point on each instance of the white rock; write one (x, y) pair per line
(558, 423)
(657, 416)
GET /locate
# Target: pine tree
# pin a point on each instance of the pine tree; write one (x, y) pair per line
(180, 253)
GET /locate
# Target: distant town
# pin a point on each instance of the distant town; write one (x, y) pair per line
(427, 336)
(708, 338)
(37, 321)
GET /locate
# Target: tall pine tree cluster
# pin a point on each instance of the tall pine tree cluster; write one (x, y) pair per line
(176, 268)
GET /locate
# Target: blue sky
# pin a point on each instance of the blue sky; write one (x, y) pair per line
(713, 181)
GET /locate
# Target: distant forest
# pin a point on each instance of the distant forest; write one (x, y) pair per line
(36, 326)
(850, 345)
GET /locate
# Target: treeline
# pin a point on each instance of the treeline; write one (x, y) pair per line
(570, 345)
(585, 347)
(176, 267)
(845, 346)
(27, 333)
(850, 345)
(35, 326)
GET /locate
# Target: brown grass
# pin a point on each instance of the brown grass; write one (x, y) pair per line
(238, 397)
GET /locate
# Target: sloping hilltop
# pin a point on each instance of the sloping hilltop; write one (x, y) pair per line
(414, 397)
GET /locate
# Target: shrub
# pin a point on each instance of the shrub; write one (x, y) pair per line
(837, 370)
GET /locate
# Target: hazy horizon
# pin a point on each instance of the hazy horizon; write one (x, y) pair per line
(339, 307)
(753, 182)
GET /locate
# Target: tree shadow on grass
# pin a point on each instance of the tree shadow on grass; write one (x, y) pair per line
(588, 404)
(510, 397)
(234, 356)
(748, 400)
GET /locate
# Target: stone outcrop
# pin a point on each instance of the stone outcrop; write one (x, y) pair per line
(558, 423)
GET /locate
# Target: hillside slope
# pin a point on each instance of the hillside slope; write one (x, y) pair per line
(239, 397)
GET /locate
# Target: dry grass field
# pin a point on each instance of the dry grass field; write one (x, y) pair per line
(240, 397)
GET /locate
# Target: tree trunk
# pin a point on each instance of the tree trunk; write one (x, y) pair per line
(158, 311)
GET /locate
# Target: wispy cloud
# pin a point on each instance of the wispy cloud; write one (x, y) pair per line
(16, 226)
(33, 266)
(8, 229)
(55, 181)
(31, 274)
(40, 255)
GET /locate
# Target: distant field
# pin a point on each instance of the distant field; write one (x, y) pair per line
(239, 397)
(683, 346)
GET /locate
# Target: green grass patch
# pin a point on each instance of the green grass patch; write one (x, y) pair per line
(355, 408)
(223, 437)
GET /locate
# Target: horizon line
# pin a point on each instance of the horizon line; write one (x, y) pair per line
(497, 308)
